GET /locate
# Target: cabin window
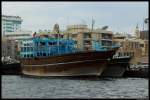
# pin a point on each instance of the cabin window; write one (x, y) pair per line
(31, 55)
(25, 56)
(44, 54)
(50, 43)
(28, 55)
(54, 43)
(38, 54)
(42, 43)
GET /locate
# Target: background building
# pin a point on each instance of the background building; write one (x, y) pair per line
(105, 37)
(11, 42)
(11, 23)
(85, 36)
(81, 34)
(135, 47)
(144, 35)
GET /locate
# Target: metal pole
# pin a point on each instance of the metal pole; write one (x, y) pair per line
(143, 25)
(58, 42)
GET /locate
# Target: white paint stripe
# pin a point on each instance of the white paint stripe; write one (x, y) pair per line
(64, 63)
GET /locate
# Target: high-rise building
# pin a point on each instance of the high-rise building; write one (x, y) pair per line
(11, 23)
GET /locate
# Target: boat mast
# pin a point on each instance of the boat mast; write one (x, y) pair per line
(58, 39)
(67, 34)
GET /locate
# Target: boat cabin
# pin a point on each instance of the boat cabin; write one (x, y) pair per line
(43, 47)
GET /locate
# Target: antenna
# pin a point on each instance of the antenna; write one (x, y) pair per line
(93, 22)
(67, 27)
(67, 21)
(143, 24)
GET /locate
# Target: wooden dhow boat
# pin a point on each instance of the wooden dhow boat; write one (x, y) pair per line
(60, 57)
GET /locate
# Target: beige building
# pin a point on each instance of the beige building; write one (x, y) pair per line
(105, 37)
(135, 47)
(81, 34)
(84, 36)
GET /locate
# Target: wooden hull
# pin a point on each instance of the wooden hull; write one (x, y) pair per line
(116, 67)
(117, 70)
(78, 64)
(66, 69)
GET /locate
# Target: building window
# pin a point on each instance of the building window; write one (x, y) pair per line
(128, 54)
(8, 48)
(21, 48)
(141, 45)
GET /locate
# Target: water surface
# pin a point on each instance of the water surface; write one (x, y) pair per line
(30, 87)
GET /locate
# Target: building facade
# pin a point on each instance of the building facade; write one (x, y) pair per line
(85, 36)
(144, 35)
(11, 42)
(105, 37)
(81, 34)
(134, 47)
(11, 23)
